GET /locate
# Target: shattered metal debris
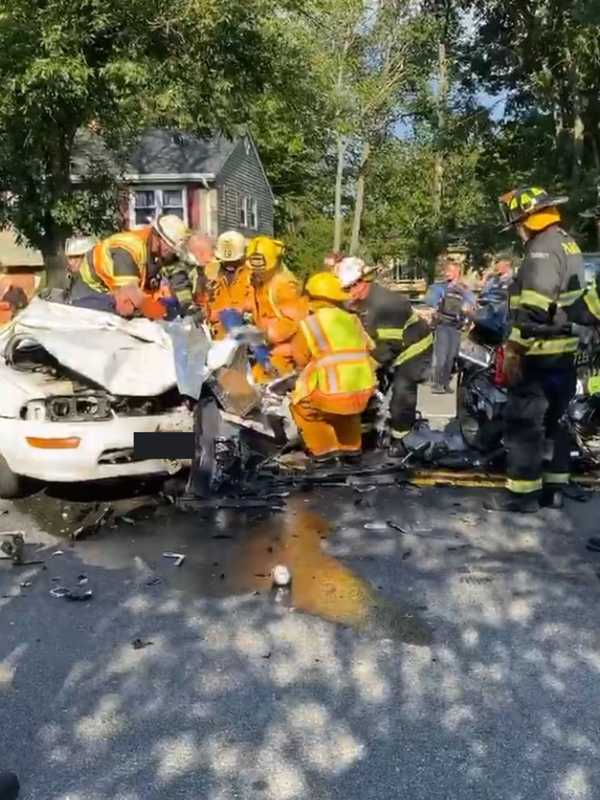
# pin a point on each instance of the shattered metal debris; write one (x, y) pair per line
(13, 546)
(395, 526)
(79, 596)
(82, 579)
(26, 584)
(128, 520)
(153, 580)
(76, 595)
(140, 644)
(178, 558)
(58, 553)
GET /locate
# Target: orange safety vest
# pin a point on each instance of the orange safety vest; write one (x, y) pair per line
(340, 378)
(98, 269)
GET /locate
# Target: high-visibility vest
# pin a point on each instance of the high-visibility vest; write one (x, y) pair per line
(340, 371)
(98, 269)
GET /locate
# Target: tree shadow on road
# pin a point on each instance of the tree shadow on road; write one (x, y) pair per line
(238, 697)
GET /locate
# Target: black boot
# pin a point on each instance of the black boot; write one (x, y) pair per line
(574, 492)
(552, 497)
(514, 503)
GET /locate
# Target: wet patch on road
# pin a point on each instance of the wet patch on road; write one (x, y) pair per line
(228, 553)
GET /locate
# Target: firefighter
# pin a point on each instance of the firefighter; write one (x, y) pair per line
(228, 289)
(187, 274)
(337, 378)
(453, 302)
(122, 272)
(76, 249)
(276, 304)
(403, 342)
(540, 355)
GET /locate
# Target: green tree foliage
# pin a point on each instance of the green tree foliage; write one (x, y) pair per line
(68, 64)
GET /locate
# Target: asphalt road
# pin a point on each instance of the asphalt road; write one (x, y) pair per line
(459, 660)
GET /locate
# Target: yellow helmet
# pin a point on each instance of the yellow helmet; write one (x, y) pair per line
(231, 246)
(265, 254)
(326, 286)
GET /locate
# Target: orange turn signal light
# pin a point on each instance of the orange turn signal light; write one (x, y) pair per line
(53, 444)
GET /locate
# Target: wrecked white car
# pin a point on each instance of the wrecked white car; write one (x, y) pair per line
(75, 386)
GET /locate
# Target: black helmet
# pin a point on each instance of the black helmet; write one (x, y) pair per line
(519, 204)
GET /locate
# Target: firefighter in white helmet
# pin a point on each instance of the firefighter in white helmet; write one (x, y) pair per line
(122, 272)
(76, 248)
(403, 343)
(228, 290)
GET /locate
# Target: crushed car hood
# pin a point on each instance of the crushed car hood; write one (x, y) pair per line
(126, 357)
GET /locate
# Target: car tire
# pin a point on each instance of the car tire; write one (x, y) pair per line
(203, 474)
(11, 484)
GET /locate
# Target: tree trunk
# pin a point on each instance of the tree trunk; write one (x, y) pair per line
(339, 182)
(360, 198)
(53, 252)
(578, 134)
(441, 102)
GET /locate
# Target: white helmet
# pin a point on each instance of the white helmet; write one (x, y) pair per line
(350, 271)
(172, 230)
(79, 245)
(231, 246)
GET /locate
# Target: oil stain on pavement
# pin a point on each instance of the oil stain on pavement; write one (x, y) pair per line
(231, 554)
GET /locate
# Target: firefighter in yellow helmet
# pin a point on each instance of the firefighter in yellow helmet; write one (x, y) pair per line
(546, 294)
(337, 379)
(276, 302)
(123, 272)
(228, 289)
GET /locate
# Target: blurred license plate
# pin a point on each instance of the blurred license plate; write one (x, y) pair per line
(475, 353)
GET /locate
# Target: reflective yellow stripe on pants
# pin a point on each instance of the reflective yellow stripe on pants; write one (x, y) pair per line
(415, 350)
(523, 487)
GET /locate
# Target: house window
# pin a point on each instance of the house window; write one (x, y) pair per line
(150, 202)
(248, 212)
(145, 206)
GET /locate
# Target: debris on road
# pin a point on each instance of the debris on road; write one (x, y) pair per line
(140, 644)
(406, 555)
(375, 526)
(154, 580)
(128, 520)
(58, 553)
(76, 595)
(593, 544)
(281, 575)
(13, 546)
(24, 585)
(178, 558)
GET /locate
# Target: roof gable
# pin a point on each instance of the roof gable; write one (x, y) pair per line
(156, 151)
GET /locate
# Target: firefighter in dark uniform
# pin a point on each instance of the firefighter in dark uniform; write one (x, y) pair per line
(454, 303)
(546, 296)
(403, 341)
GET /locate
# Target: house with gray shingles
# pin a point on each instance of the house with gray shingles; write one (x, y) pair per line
(214, 185)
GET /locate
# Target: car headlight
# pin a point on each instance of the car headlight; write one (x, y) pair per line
(34, 411)
(80, 408)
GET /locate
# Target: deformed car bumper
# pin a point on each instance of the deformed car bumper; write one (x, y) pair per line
(92, 450)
